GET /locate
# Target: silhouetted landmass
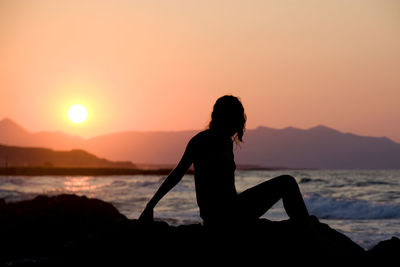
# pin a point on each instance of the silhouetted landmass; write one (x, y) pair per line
(29, 161)
(318, 147)
(11, 133)
(13, 156)
(38, 171)
(247, 167)
(68, 230)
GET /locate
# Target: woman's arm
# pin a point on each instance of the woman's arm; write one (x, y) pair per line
(173, 178)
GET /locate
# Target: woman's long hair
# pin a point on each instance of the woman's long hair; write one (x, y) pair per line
(228, 116)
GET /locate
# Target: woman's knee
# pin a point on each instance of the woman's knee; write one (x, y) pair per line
(288, 180)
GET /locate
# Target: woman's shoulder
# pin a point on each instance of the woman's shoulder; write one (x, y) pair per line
(205, 134)
(200, 137)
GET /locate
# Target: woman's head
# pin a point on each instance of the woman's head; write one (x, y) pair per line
(228, 117)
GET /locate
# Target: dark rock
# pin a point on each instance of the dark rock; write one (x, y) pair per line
(261, 241)
(40, 227)
(386, 251)
(68, 230)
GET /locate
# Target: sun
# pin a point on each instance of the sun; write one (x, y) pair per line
(77, 113)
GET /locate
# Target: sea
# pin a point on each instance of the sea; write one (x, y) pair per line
(362, 204)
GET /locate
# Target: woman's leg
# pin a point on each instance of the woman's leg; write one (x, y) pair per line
(255, 201)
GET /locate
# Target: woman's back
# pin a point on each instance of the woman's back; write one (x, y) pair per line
(214, 167)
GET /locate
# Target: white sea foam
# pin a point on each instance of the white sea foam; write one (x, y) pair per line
(350, 209)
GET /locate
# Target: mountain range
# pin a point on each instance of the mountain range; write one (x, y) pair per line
(15, 156)
(317, 147)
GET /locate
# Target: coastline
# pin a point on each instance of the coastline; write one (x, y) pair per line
(104, 171)
(43, 171)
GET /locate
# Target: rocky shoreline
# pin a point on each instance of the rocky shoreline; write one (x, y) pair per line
(70, 230)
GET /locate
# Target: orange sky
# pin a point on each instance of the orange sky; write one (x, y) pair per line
(160, 65)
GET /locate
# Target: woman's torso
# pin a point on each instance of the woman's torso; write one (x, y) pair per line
(214, 167)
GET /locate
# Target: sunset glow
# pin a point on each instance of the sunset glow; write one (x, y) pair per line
(77, 113)
(160, 65)
(123, 120)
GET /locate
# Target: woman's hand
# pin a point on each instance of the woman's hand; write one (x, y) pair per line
(173, 178)
(147, 215)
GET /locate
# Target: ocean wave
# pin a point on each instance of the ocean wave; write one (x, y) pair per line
(369, 183)
(12, 180)
(308, 180)
(350, 209)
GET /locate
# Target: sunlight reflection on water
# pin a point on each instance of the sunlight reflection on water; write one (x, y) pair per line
(78, 184)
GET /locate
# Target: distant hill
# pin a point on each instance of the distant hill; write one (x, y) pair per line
(317, 147)
(12, 133)
(12, 156)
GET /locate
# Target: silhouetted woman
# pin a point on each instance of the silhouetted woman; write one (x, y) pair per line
(211, 152)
